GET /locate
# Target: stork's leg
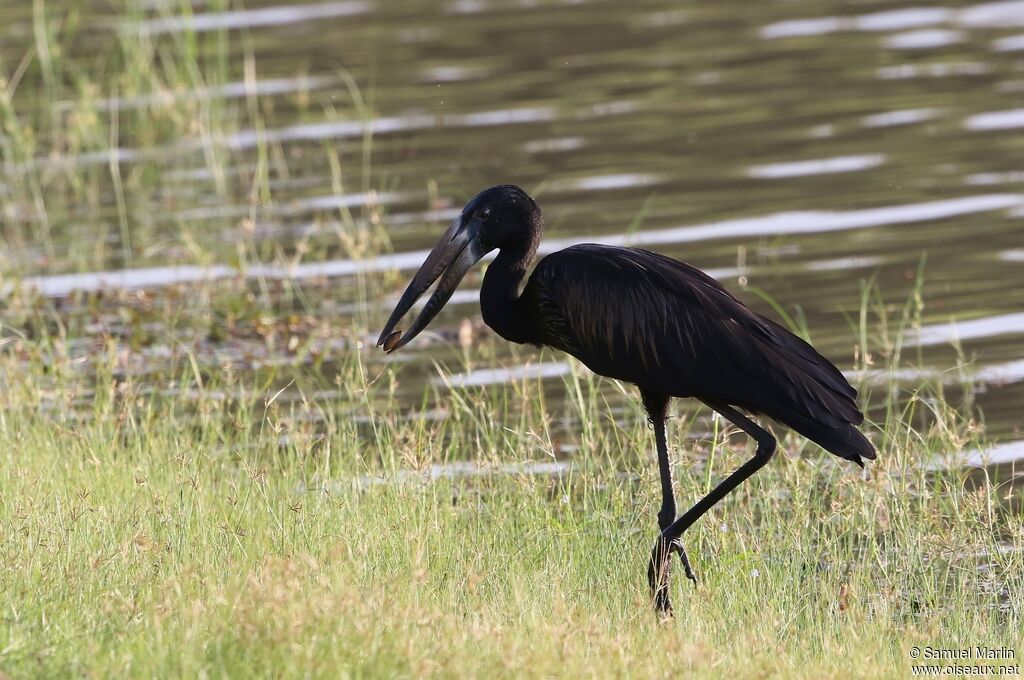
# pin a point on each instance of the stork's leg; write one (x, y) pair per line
(670, 536)
(659, 568)
(657, 412)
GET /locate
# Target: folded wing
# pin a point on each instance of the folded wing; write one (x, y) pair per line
(649, 319)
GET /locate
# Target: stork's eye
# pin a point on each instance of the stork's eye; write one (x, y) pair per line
(483, 213)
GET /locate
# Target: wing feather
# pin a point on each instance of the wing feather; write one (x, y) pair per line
(670, 328)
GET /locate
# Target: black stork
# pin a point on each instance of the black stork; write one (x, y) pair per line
(643, 318)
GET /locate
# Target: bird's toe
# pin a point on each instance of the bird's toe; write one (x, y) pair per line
(677, 547)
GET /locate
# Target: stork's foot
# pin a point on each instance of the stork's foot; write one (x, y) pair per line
(659, 572)
(677, 547)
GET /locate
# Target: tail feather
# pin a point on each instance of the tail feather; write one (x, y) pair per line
(814, 398)
(845, 441)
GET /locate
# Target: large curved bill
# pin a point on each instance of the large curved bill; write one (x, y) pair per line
(454, 255)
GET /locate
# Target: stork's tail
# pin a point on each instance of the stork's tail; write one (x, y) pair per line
(845, 441)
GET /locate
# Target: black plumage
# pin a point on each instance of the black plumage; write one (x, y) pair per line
(671, 329)
(648, 319)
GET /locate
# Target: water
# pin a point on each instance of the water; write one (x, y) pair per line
(794, 148)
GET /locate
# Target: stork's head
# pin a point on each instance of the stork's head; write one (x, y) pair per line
(502, 217)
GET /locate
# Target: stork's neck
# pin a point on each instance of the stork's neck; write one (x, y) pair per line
(499, 294)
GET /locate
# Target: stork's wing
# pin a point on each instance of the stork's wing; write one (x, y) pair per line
(669, 328)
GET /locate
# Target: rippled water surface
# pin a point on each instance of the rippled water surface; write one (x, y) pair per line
(799, 150)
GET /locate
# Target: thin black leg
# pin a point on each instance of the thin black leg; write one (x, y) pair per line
(670, 536)
(658, 571)
(657, 412)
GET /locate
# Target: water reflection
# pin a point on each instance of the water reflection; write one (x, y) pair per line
(923, 39)
(1000, 454)
(994, 178)
(984, 15)
(985, 327)
(252, 18)
(62, 285)
(816, 167)
(341, 129)
(996, 120)
(497, 376)
(1013, 43)
(890, 20)
(939, 70)
(604, 182)
(1000, 14)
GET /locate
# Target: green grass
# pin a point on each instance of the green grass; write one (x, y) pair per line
(211, 533)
